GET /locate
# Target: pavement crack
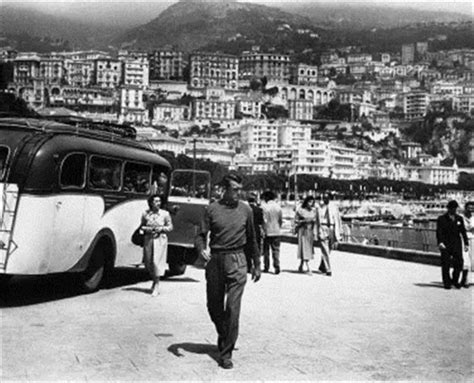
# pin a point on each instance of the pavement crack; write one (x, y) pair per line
(77, 359)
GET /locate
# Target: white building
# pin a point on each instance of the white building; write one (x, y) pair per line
(169, 112)
(213, 109)
(161, 142)
(136, 68)
(303, 74)
(132, 107)
(415, 104)
(300, 109)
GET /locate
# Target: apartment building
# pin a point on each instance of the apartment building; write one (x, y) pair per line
(300, 109)
(303, 74)
(275, 67)
(249, 106)
(161, 142)
(213, 109)
(108, 73)
(214, 69)
(318, 95)
(170, 112)
(415, 104)
(258, 137)
(166, 64)
(135, 68)
(51, 70)
(210, 151)
(79, 73)
(359, 58)
(26, 68)
(408, 54)
(132, 107)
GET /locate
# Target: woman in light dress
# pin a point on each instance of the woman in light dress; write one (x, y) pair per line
(156, 223)
(305, 219)
(467, 255)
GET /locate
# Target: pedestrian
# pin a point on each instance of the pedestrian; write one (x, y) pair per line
(305, 218)
(328, 228)
(450, 234)
(257, 221)
(273, 219)
(232, 234)
(156, 224)
(467, 255)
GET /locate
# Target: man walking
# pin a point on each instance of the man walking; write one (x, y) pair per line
(273, 219)
(232, 235)
(450, 233)
(328, 222)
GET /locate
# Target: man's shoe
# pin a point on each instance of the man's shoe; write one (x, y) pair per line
(447, 287)
(457, 285)
(329, 273)
(465, 285)
(227, 364)
(277, 270)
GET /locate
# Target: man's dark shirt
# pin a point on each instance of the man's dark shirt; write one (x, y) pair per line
(231, 226)
(449, 232)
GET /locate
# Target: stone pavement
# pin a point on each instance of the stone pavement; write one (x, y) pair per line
(375, 319)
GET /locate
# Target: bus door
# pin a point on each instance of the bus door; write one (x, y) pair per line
(67, 242)
(188, 199)
(8, 206)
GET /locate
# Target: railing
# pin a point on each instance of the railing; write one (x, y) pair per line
(401, 237)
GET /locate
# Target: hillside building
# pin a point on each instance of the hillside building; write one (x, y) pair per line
(214, 69)
(275, 67)
(108, 73)
(166, 64)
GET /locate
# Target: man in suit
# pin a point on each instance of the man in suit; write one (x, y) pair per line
(450, 234)
(273, 220)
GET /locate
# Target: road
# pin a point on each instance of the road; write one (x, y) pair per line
(374, 319)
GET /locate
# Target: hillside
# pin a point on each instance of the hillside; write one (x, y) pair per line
(193, 24)
(27, 29)
(363, 16)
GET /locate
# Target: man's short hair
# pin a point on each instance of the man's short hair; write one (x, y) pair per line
(452, 204)
(232, 176)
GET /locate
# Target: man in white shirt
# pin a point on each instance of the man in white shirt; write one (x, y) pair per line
(272, 221)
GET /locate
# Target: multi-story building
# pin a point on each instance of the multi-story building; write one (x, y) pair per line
(411, 150)
(447, 88)
(26, 68)
(291, 132)
(79, 72)
(464, 103)
(438, 175)
(132, 107)
(166, 64)
(51, 70)
(275, 67)
(169, 112)
(300, 109)
(213, 109)
(421, 48)
(415, 104)
(408, 54)
(249, 106)
(258, 137)
(161, 142)
(214, 69)
(108, 73)
(353, 58)
(135, 68)
(303, 74)
(210, 151)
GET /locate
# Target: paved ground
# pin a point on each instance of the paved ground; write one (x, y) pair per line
(375, 319)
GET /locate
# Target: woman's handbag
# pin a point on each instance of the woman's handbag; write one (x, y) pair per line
(138, 237)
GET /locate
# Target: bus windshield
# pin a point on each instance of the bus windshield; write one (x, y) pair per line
(3, 160)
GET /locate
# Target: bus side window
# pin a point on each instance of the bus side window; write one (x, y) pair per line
(72, 173)
(136, 178)
(104, 173)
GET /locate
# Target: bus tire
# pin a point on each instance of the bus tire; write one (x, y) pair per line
(4, 282)
(93, 275)
(175, 269)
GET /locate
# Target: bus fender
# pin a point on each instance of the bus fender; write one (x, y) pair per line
(108, 237)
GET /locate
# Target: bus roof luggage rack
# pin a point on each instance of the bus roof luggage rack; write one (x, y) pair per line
(125, 131)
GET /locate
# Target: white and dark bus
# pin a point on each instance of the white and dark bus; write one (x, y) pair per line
(71, 197)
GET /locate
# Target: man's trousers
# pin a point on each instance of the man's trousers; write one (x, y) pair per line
(226, 275)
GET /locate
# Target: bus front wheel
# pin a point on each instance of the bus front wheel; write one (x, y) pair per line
(92, 277)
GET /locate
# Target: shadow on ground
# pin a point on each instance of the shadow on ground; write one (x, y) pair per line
(436, 284)
(30, 290)
(195, 348)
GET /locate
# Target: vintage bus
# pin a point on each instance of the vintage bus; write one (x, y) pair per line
(71, 197)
